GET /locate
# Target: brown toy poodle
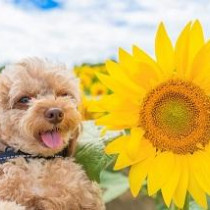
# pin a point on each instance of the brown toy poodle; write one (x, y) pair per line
(39, 126)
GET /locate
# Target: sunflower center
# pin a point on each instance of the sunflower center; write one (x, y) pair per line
(175, 116)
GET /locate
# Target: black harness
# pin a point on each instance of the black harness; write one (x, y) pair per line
(10, 153)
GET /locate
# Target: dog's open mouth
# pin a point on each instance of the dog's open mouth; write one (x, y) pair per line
(52, 138)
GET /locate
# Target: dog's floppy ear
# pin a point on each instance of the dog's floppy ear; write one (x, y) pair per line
(73, 141)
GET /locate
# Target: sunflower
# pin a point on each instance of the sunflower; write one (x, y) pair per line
(165, 104)
(85, 81)
(83, 108)
(98, 89)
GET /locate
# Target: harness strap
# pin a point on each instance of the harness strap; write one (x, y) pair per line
(9, 154)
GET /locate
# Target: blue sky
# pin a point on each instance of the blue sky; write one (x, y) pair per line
(90, 30)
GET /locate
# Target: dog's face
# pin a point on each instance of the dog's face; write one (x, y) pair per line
(38, 107)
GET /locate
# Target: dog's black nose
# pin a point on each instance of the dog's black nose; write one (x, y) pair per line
(54, 115)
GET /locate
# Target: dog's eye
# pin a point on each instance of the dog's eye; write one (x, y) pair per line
(64, 94)
(24, 100)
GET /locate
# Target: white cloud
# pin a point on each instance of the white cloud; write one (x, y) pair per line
(91, 30)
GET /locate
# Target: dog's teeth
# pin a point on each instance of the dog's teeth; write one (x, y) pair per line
(54, 129)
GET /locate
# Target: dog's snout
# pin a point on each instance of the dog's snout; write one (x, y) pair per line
(54, 115)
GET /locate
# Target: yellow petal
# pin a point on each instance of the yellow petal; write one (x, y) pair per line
(200, 166)
(123, 161)
(195, 190)
(201, 64)
(134, 142)
(121, 88)
(180, 192)
(195, 43)
(143, 57)
(182, 51)
(137, 147)
(131, 149)
(160, 171)
(117, 145)
(164, 51)
(126, 60)
(146, 76)
(138, 173)
(96, 106)
(170, 186)
(140, 72)
(113, 103)
(117, 73)
(127, 120)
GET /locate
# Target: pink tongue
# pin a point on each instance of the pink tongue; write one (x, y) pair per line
(51, 139)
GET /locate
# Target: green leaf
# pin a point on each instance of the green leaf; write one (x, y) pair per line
(90, 151)
(93, 159)
(194, 206)
(1, 68)
(113, 185)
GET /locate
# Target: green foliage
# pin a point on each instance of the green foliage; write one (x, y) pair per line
(113, 185)
(93, 159)
(194, 206)
(90, 152)
(1, 68)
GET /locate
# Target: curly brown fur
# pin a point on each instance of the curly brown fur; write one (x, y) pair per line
(39, 184)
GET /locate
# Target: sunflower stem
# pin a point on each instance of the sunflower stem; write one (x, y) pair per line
(187, 201)
(186, 205)
(173, 207)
